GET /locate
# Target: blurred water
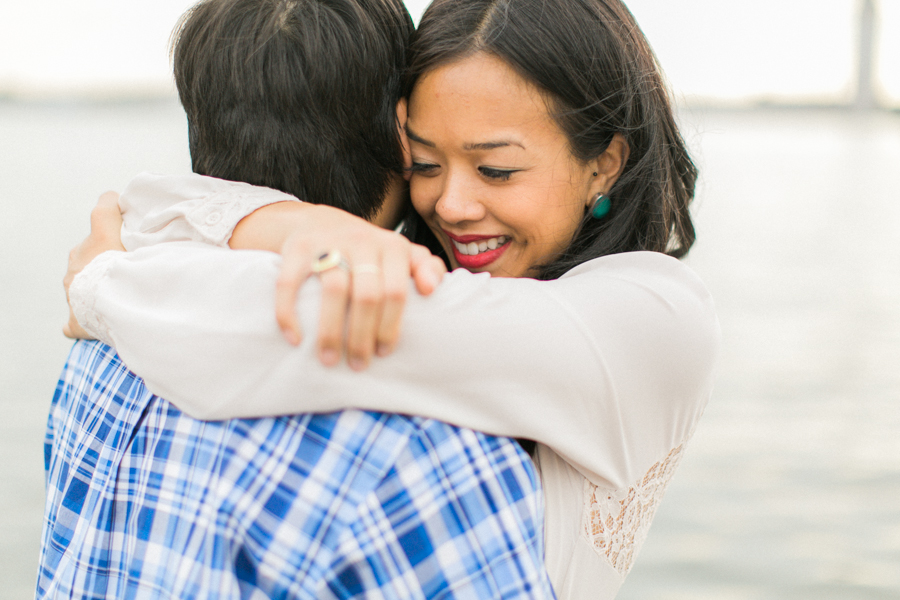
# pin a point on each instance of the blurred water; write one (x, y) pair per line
(791, 488)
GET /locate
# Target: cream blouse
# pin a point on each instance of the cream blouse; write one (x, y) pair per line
(608, 368)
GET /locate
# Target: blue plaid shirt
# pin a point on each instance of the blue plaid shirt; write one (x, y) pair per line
(146, 502)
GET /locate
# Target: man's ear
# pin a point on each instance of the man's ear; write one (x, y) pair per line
(404, 139)
(609, 165)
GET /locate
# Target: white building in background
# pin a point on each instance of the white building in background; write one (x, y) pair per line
(734, 52)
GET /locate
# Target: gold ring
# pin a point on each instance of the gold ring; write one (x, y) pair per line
(330, 260)
(374, 269)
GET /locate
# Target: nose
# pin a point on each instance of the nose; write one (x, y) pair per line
(459, 201)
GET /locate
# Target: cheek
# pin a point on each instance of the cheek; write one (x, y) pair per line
(547, 219)
(569, 216)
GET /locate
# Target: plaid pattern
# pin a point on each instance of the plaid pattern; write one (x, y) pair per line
(145, 502)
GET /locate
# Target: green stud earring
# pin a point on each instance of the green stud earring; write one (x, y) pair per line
(601, 207)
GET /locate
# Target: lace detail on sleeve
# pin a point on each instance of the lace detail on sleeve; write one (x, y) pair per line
(616, 522)
(83, 295)
(215, 219)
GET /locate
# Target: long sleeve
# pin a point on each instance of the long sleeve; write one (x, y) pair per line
(620, 349)
(167, 208)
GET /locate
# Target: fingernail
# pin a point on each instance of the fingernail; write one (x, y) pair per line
(329, 357)
(383, 349)
(357, 364)
(291, 336)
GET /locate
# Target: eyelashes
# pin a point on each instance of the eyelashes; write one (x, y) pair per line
(422, 168)
(497, 174)
(491, 173)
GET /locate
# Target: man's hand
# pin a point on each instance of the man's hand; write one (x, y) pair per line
(370, 288)
(106, 234)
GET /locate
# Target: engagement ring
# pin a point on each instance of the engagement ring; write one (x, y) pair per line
(329, 260)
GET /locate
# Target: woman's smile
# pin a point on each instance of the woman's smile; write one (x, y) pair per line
(477, 251)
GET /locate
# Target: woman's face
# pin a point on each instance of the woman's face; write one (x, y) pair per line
(493, 174)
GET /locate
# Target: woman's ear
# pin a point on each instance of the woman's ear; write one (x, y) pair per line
(609, 165)
(404, 139)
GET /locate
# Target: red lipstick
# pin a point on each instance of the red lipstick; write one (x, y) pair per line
(476, 261)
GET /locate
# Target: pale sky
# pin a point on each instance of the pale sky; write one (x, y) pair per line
(710, 49)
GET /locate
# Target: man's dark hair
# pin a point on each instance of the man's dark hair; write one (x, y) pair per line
(296, 95)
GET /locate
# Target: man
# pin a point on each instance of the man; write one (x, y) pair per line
(145, 502)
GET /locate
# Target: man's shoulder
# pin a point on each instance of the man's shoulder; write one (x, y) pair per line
(96, 386)
(97, 396)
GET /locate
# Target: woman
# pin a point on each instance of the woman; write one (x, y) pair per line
(543, 147)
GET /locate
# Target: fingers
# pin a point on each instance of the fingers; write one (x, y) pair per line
(426, 269)
(363, 296)
(380, 278)
(366, 307)
(396, 269)
(295, 269)
(332, 314)
(378, 287)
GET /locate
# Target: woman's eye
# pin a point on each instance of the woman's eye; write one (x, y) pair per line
(498, 174)
(422, 168)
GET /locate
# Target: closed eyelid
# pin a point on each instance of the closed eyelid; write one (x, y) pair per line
(421, 167)
(495, 173)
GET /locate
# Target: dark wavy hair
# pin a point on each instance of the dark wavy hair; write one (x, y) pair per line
(296, 95)
(600, 78)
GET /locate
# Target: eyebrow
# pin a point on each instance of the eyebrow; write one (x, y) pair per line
(417, 138)
(492, 145)
(471, 146)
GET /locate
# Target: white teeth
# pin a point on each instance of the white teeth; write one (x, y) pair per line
(473, 248)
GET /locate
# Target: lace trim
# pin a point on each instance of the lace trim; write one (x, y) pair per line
(83, 295)
(617, 521)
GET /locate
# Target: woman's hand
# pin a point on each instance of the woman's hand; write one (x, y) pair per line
(106, 234)
(369, 287)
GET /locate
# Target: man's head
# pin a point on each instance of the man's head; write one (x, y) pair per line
(296, 95)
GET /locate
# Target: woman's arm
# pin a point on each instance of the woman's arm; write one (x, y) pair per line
(176, 208)
(620, 347)
(160, 209)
